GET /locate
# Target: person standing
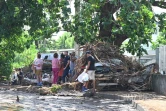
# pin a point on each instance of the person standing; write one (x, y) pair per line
(66, 66)
(55, 68)
(33, 65)
(61, 61)
(14, 78)
(38, 65)
(20, 76)
(90, 69)
(72, 65)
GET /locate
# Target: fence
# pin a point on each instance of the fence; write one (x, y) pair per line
(159, 84)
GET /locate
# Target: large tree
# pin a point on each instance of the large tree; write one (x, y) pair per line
(40, 18)
(117, 20)
(95, 20)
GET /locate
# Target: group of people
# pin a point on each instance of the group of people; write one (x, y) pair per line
(61, 68)
(17, 77)
(64, 67)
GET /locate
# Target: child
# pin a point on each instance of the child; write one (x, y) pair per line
(61, 68)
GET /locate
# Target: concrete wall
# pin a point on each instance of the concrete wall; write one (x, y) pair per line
(159, 84)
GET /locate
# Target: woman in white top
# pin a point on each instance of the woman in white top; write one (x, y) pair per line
(38, 69)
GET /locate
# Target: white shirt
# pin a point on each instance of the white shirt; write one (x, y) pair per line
(14, 76)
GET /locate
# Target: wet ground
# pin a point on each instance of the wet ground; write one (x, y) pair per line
(34, 102)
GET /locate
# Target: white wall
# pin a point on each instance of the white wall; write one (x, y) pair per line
(162, 59)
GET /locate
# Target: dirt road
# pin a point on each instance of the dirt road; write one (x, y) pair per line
(34, 102)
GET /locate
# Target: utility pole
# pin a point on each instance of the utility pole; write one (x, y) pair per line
(77, 10)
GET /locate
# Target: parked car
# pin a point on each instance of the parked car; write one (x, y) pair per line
(102, 68)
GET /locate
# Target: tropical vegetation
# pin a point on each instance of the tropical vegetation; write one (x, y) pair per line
(25, 22)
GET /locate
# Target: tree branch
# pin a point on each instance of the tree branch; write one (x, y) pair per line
(161, 4)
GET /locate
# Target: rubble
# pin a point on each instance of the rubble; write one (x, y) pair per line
(126, 72)
(35, 89)
(123, 70)
(72, 86)
(44, 91)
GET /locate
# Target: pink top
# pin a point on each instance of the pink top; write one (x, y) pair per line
(40, 63)
(55, 63)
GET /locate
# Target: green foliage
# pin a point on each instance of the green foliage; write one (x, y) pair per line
(25, 58)
(43, 48)
(7, 52)
(22, 22)
(162, 24)
(134, 20)
(160, 41)
(138, 25)
(65, 41)
(5, 66)
(85, 25)
(55, 88)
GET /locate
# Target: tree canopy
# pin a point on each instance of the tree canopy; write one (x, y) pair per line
(25, 58)
(66, 41)
(117, 20)
(24, 21)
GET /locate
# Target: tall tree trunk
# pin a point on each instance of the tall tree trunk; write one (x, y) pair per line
(107, 12)
(77, 10)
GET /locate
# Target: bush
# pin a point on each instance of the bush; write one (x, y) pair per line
(55, 88)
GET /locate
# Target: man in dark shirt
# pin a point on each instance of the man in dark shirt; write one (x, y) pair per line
(20, 76)
(66, 66)
(90, 69)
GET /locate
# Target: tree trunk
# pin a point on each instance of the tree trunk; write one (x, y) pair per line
(77, 10)
(120, 39)
(107, 12)
(36, 44)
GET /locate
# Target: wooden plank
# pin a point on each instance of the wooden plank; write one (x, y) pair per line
(107, 84)
(100, 79)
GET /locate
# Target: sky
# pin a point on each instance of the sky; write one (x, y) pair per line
(158, 10)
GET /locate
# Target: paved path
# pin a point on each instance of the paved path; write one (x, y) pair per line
(33, 102)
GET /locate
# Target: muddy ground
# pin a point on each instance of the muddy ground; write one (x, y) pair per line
(61, 102)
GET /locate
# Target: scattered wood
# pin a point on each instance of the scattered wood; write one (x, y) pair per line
(44, 91)
(107, 84)
(124, 70)
(72, 86)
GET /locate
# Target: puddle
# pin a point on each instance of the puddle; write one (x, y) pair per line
(10, 107)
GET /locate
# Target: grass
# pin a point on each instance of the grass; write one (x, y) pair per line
(55, 88)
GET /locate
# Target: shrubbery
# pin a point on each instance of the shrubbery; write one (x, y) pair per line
(55, 88)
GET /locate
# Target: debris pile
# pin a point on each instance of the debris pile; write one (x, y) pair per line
(123, 70)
